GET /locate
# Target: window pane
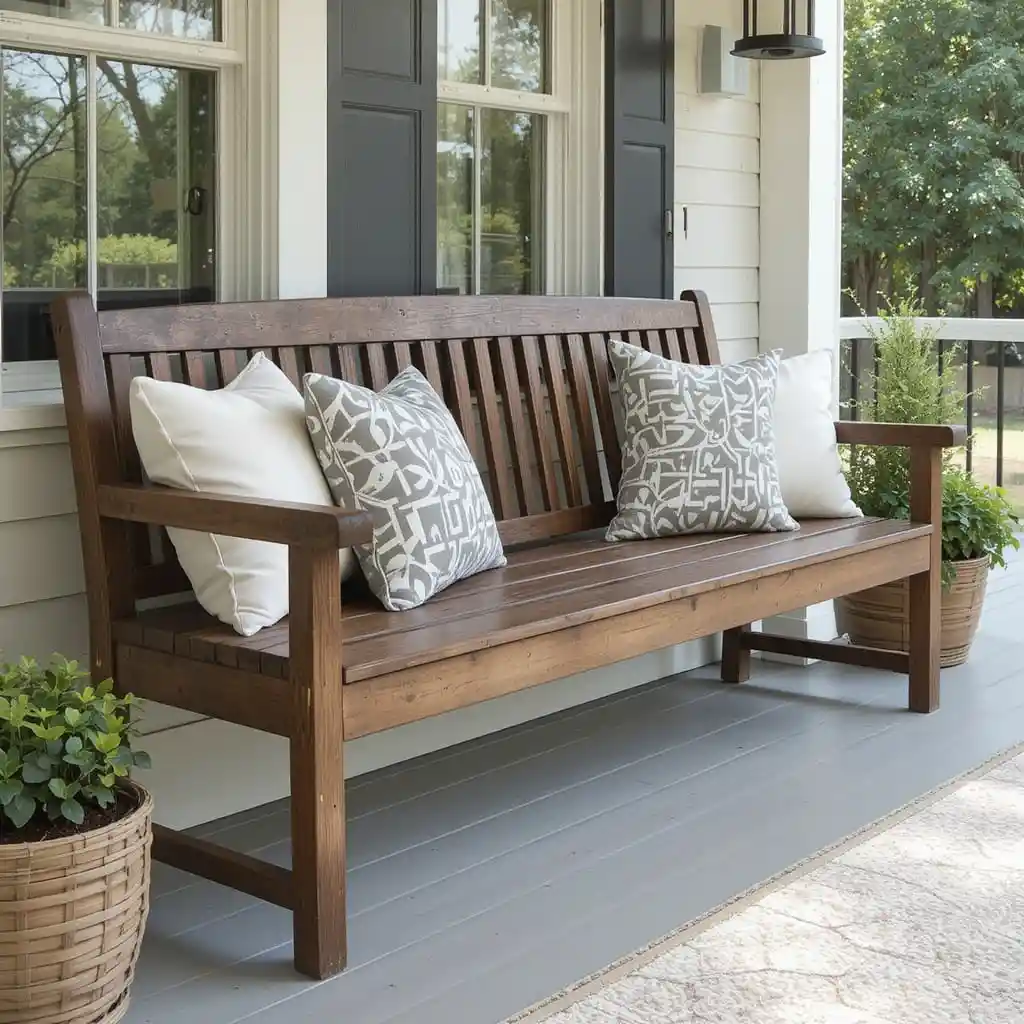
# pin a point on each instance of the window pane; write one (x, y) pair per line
(72, 10)
(156, 188)
(455, 198)
(511, 177)
(45, 207)
(519, 44)
(187, 19)
(458, 40)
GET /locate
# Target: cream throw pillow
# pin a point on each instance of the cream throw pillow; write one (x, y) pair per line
(810, 473)
(248, 440)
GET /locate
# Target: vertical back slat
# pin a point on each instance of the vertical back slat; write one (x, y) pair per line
(379, 375)
(635, 338)
(601, 380)
(462, 399)
(555, 377)
(158, 365)
(131, 466)
(512, 398)
(320, 360)
(229, 364)
(654, 343)
(288, 360)
(672, 346)
(585, 418)
(504, 495)
(196, 370)
(432, 365)
(348, 362)
(403, 355)
(530, 357)
(692, 355)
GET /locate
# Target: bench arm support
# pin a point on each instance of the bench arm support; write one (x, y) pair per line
(296, 525)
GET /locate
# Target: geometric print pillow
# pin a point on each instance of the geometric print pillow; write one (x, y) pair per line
(699, 449)
(398, 455)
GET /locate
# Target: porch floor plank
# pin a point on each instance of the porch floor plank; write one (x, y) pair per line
(487, 877)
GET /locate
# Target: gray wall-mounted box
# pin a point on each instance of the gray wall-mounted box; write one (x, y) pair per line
(721, 74)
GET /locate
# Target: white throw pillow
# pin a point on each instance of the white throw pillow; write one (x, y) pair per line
(810, 473)
(248, 440)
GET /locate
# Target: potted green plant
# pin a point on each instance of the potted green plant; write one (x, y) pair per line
(75, 836)
(910, 384)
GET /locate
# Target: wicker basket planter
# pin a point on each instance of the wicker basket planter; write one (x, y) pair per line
(880, 617)
(72, 913)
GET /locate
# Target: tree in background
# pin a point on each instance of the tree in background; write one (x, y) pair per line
(934, 155)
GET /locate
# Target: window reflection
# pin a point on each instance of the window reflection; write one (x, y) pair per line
(71, 10)
(156, 187)
(458, 41)
(519, 44)
(45, 203)
(186, 19)
(510, 202)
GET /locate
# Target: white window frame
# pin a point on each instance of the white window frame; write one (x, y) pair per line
(239, 241)
(573, 187)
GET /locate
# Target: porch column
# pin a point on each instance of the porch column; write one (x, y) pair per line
(801, 216)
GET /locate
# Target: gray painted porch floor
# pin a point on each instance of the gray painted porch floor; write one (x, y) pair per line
(487, 877)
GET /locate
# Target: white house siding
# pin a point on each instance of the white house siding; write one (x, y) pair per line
(205, 769)
(717, 185)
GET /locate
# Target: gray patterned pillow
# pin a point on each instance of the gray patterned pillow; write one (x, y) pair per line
(699, 449)
(398, 455)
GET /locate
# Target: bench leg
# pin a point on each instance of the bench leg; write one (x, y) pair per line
(735, 657)
(925, 641)
(926, 588)
(317, 771)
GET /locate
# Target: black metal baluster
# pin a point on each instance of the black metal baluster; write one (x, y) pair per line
(1000, 411)
(855, 378)
(970, 406)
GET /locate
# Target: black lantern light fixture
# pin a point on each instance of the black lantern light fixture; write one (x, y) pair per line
(789, 44)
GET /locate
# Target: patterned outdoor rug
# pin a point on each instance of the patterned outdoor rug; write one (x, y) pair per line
(917, 920)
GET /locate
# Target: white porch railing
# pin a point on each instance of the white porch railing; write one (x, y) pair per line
(989, 355)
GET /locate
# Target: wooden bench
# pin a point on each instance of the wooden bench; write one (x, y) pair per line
(528, 381)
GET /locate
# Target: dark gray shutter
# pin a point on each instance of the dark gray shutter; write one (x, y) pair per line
(382, 147)
(640, 56)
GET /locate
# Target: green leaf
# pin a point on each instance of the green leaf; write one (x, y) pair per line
(74, 744)
(102, 795)
(72, 716)
(59, 788)
(9, 790)
(32, 773)
(105, 687)
(73, 811)
(107, 742)
(21, 810)
(141, 759)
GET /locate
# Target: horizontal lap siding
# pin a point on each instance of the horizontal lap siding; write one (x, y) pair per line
(717, 186)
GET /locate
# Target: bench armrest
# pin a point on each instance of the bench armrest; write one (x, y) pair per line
(255, 519)
(901, 435)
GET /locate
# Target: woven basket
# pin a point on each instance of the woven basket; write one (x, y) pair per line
(880, 617)
(72, 913)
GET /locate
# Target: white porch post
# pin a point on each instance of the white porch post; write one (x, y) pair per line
(801, 215)
(302, 148)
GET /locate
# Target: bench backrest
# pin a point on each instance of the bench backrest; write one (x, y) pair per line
(527, 379)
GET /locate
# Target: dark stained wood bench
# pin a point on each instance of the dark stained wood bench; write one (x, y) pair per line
(528, 381)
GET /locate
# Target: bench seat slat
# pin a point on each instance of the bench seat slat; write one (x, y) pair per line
(543, 589)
